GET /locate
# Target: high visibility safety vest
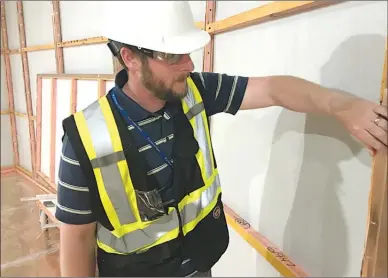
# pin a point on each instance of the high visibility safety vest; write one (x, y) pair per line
(194, 218)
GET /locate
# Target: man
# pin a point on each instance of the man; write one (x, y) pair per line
(138, 179)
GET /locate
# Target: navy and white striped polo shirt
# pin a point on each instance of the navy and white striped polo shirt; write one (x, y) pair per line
(222, 93)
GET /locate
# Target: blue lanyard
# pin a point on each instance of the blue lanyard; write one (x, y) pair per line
(129, 121)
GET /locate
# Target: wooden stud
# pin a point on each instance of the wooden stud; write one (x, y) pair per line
(374, 263)
(27, 87)
(101, 88)
(5, 112)
(269, 251)
(8, 76)
(38, 124)
(24, 115)
(46, 181)
(53, 119)
(265, 13)
(209, 49)
(7, 170)
(57, 32)
(27, 176)
(73, 96)
(66, 76)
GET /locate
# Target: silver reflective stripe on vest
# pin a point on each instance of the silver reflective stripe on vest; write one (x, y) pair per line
(195, 110)
(199, 131)
(137, 239)
(110, 173)
(192, 210)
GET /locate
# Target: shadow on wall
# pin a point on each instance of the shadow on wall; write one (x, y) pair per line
(316, 233)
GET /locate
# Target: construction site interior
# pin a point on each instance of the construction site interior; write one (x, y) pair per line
(302, 197)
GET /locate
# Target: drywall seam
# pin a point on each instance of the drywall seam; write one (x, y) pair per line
(27, 86)
(8, 74)
(209, 48)
(377, 197)
(58, 37)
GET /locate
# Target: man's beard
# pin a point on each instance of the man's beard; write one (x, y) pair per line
(159, 89)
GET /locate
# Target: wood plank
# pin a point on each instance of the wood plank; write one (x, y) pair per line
(59, 44)
(265, 13)
(57, 32)
(375, 258)
(27, 86)
(209, 48)
(53, 121)
(263, 246)
(38, 124)
(73, 96)
(108, 77)
(8, 77)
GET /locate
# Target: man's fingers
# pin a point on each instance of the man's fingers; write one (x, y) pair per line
(383, 123)
(382, 111)
(378, 133)
(371, 142)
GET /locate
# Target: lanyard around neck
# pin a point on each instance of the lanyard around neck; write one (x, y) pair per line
(129, 121)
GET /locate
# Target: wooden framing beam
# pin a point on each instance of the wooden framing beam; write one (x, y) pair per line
(209, 49)
(269, 251)
(7, 170)
(26, 78)
(38, 123)
(73, 96)
(57, 33)
(375, 254)
(8, 76)
(107, 77)
(265, 13)
(53, 120)
(72, 43)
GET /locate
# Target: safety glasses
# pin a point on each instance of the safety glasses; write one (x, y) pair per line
(157, 55)
(161, 56)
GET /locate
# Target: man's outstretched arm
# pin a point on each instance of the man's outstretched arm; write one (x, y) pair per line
(356, 114)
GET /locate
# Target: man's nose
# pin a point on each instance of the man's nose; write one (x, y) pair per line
(186, 64)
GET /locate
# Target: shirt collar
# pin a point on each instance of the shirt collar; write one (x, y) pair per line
(136, 112)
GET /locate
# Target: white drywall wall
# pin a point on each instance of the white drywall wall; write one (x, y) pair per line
(300, 180)
(7, 158)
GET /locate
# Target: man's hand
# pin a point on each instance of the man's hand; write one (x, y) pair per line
(366, 121)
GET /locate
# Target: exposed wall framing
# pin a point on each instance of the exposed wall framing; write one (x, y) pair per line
(8, 76)
(265, 13)
(269, 12)
(27, 85)
(375, 256)
(209, 49)
(57, 30)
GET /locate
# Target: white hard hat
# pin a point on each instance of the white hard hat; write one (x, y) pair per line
(165, 26)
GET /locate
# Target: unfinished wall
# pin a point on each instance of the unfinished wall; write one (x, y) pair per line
(300, 180)
(297, 179)
(7, 159)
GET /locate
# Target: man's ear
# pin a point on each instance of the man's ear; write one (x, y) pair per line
(129, 59)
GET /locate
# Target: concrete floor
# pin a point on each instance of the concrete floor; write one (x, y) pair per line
(25, 249)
